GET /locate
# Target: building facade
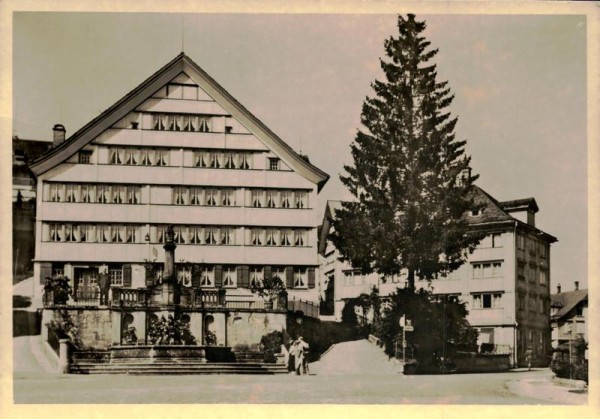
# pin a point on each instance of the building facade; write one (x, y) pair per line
(23, 201)
(505, 282)
(178, 150)
(569, 311)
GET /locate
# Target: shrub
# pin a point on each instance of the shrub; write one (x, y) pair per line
(270, 344)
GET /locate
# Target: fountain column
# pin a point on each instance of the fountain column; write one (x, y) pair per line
(168, 292)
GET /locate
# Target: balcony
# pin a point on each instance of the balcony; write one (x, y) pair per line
(195, 298)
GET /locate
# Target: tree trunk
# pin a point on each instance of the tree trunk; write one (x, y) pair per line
(411, 279)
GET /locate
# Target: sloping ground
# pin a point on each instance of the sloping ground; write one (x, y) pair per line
(359, 357)
(29, 355)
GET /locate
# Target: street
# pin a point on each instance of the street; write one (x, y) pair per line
(381, 389)
(350, 373)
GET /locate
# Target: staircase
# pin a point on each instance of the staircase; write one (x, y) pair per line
(137, 366)
(187, 368)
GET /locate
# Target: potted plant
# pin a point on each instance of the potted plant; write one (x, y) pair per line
(57, 289)
(268, 288)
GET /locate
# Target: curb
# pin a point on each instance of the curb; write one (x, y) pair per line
(566, 382)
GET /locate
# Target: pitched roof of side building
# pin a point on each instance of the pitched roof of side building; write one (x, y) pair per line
(493, 213)
(133, 99)
(566, 301)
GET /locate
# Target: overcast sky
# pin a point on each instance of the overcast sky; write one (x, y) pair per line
(519, 81)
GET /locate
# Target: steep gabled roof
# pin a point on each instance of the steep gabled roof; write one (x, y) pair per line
(491, 214)
(127, 104)
(567, 301)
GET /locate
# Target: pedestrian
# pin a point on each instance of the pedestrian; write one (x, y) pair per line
(303, 345)
(104, 285)
(528, 355)
(300, 355)
(292, 357)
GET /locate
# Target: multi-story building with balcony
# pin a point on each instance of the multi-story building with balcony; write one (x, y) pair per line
(178, 150)
(505, 282)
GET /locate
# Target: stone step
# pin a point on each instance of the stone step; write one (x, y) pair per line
(185, 368)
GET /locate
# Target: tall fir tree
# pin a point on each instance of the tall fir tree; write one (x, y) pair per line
(408, 173)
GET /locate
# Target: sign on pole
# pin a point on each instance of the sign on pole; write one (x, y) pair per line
(409, 328)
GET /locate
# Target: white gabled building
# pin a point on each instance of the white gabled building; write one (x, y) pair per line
(505, 282)
(180, 150)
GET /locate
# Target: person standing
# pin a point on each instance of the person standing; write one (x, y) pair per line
(303, 346)
(293, 353)
(104, 284)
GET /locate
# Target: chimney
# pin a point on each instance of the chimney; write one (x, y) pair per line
(558, 289)
(59, 133)
(576, 285)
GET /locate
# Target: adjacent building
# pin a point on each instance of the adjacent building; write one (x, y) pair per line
(24, 190)
(178, 150)
(505, 282)
(569, 314)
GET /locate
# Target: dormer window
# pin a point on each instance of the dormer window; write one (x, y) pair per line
(475, 212)
(85, 156)
(273, 164)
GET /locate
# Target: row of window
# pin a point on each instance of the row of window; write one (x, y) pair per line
(534, 303)
(186, 123)
(145, 156)
(94, 193)
(531, 274)
(199, 235)
(487, 270)
(534, 246)
(206, 275)
(139, 156)
(259, 198)
(131, 194)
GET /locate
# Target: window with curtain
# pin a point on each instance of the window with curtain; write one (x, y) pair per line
(180, 196)
(162, 158)
(201, 159)
(246, 161)
(196, 196)
(132, 234)
(87, 192)
(204, 124)
(257, 198)
(211, 197)
(118, 194)
(103, 233)
(255, 237)
(118, 235)
(214, 160)
(160, 234)
(300, 278)
(301, 199)
(271, 238)
(286, 239)
(145, 159)
(256, 273)
(229, 161)
(228, 197)
(211, 236)
(54, 232)
(286, 199)
(227, 236)
(103, 195)
(57, 192)
(133, 194)
(179, 234)
(131, 156)
(271, 199)
(299, 237)
(207, 276)
(195, 235)
(230, 277)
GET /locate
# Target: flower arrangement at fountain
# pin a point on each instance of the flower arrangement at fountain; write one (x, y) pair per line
(170, 331)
